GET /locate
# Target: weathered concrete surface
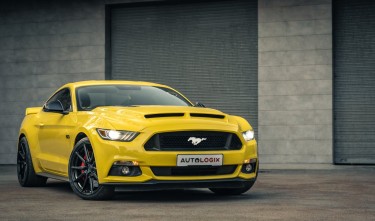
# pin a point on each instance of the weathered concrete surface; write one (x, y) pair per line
(295, 81)
(336, 194)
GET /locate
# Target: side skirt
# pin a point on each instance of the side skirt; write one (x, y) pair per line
(53, 176)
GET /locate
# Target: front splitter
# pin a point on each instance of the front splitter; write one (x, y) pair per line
(165, 185)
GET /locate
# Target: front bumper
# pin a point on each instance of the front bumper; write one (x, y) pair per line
(108, 152)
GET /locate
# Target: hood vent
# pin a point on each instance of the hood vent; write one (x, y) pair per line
(164, 115)
(217, 116)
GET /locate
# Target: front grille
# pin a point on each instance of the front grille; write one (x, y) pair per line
(194, 170)
(193, 140)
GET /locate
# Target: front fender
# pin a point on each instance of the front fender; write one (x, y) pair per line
(243, 124)
(88, 128)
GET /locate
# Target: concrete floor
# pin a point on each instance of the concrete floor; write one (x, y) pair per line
(347, 193)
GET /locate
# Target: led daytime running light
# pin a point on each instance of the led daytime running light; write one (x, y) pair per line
(248, 135)
(117, 135)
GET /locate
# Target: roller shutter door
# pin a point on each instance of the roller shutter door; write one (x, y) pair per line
(206, 50)
(354, 81)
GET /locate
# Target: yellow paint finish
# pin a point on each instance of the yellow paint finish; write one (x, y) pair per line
(50, 148)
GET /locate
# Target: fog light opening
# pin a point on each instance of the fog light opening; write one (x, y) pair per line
(248, 167)
(125, 170)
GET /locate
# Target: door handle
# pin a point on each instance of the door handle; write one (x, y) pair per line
(41, 124)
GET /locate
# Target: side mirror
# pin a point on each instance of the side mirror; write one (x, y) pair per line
(56, 107)
(197, 104)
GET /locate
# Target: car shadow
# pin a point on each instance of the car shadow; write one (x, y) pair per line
(187, 195)
(173, 196)
(58, 186)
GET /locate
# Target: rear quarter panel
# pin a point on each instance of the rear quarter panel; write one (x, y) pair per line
(29, 129)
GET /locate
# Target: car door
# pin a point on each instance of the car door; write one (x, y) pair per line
(54, 134)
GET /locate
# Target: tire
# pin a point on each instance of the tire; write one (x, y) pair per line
(25, 169)
(233, 191)
(237, 191)
(83, 176)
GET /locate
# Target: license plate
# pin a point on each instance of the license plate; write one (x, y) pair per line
(200, 160)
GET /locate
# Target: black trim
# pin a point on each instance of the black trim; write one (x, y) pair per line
(194, 170)
(53, 176)
(116, 170)
(207, 115)
(180, 141)
(44, 109)
(164, 115)
(185, 184)
(253, 165)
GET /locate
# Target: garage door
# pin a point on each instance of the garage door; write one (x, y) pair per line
(354, 81)
(206, 50)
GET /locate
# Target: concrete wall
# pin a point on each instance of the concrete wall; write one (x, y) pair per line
(44, 44)
(295, 81)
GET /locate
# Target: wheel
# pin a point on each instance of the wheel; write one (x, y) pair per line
(83, 176)
(233, 191)
(25, 170)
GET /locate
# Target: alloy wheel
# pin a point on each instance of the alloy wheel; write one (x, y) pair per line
(21, 161)
(83, 170)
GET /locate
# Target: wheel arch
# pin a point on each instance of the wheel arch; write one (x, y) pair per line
(33, 149)
(22, 135)
(82, 133)
(79, 136)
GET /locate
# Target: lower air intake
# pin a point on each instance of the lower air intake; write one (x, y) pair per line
(194, 171)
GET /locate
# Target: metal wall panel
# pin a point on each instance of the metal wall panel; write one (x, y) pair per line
(354, 81)
(206, 50)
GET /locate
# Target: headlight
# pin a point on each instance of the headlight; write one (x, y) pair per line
(118, 135)
(248, 135)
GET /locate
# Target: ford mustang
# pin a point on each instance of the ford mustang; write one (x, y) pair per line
(103, 136)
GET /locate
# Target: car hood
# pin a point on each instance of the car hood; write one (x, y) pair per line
(137, 118)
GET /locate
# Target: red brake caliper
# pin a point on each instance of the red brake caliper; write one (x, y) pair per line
(83, 164)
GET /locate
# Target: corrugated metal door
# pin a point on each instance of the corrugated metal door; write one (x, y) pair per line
(206, 50)
(354, 81)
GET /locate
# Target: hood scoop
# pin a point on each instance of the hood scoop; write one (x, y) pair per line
(179, 114)
(202, 115)
(217, 116)
(164, 115)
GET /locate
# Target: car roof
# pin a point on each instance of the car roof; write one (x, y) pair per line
(110, 82)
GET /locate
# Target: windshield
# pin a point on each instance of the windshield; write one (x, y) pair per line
(90, 97)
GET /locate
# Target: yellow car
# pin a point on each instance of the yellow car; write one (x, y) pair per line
(103, 136)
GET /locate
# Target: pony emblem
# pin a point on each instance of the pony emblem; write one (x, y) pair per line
(195, 140)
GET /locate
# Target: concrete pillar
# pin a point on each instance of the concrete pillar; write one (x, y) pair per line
(295, 81)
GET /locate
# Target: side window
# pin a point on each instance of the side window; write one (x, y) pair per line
(64, 97)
